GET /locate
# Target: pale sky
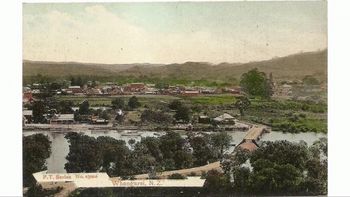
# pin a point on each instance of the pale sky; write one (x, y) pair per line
(172, 32)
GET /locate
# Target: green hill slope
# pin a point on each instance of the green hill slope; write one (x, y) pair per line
(290, 67)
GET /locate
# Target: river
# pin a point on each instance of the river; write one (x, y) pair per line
(60, 146)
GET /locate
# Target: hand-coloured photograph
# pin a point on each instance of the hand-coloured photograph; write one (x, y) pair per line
(175, 99)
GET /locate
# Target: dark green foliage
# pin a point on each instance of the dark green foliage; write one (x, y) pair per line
(216, 182)
(84, 107)
(161, 85)
(133, 102)
(282, 168)
(156, 117)
(221, 141)
(175, 105)
(241, 178)
(84, 154)
(39, 110)
(36, 149)
(172, 147)
(65, 107)
(77, 81)
(308, 106)
(183, 113)
(118, 103)
(203, 152)
(283, 152)
(141, 160)
(242, 104)
(116, 152)
(255, 83)
(88, 154)
(38, 191)
(276, 179)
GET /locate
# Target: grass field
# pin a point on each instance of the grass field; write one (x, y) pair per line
(217, 99)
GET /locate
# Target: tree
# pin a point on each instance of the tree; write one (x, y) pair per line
(280, 168)
(141, 160)
(242, 104)
(221, 141)
(118, 103)
(156, 117)
(133, 102)
(65, 107)
(183, 113)
(255, 83)
(175, 156)
(36, 149)
(316, 166)
(282, 152)
(183, 159)
(175, 105)
(241, 177)
(84, 155)
(202, 151)
(38, 111)
(39, 191)
(161, 85)
(114, 155)
(84, 107)
(275, 179)
(216, 182)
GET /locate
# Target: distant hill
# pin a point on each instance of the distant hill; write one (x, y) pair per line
(290, 67)
(59, 69)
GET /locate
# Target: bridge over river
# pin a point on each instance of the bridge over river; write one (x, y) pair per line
(254, 134)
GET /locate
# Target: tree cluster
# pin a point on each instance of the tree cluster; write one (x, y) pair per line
(36, 149)
(256, 84)
(280, 168)
(182, 112)
(158, 117)
(150, 155)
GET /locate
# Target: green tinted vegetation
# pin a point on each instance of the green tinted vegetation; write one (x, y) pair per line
(289, 116)
(107, 100)
(218, 99)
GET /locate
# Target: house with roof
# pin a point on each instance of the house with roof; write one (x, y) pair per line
(190, 93)
(27, 97)
(204, 119)
(249, 145)
(225, 119)
(93, 91)
(135, 87)
(27, 116)
(74, 90)
(62, 119)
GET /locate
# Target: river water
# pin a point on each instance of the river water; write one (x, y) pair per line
(60, 146)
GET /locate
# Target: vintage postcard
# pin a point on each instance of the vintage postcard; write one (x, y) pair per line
(175, 99)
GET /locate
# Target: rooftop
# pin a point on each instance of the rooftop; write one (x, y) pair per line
(250, 146)
(64, 117)
(27, 112)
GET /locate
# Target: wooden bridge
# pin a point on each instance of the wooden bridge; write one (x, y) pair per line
(255, 133)
(249, 142)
